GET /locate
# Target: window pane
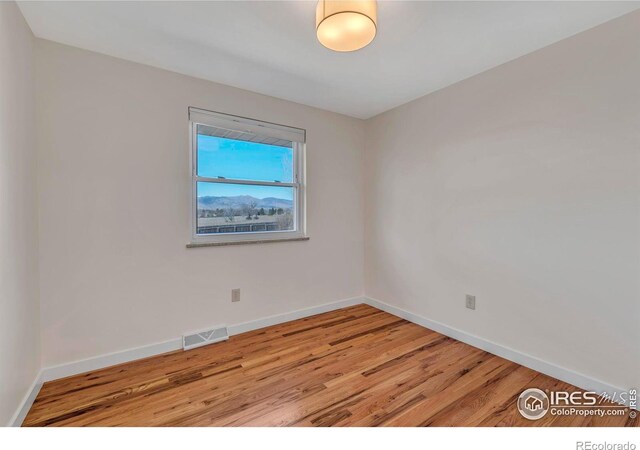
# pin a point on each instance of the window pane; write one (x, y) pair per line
(241, 208)
(242, 160)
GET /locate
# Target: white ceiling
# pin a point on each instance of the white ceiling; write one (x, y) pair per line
(271, 48)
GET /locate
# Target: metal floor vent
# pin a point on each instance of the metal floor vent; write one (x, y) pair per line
(205, 337)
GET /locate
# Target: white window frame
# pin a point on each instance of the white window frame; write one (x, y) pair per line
(243, 124)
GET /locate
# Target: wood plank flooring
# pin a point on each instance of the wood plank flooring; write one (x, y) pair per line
(356, 366)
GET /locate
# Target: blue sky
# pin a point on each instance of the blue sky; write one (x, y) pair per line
(245, 161)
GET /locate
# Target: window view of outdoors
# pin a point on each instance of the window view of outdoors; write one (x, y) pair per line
(242, 208)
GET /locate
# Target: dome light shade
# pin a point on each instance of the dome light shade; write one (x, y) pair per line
(345, 26)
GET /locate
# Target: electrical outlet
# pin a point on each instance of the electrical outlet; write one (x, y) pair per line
(235, 295)
(471, 301)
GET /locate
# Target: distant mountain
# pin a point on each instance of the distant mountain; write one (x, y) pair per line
(211, 202)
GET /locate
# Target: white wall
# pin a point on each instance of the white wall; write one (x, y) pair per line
(520, 185)
(19, 311)
(114, 203)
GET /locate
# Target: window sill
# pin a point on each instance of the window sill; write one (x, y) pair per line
(257, 241)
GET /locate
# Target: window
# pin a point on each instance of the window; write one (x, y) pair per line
(247, 179)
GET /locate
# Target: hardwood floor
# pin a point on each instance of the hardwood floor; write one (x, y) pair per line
(352, 367)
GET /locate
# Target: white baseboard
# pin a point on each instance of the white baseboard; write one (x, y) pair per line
(552, 370)
(27, 401)
(111, 359)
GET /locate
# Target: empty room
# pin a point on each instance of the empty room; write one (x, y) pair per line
(320, 214)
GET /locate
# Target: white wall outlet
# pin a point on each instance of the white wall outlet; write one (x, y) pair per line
(235, 295)
(471, 301)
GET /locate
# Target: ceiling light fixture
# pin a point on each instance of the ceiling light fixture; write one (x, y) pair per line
(345, 26)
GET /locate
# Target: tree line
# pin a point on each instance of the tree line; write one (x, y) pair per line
(250, 212)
